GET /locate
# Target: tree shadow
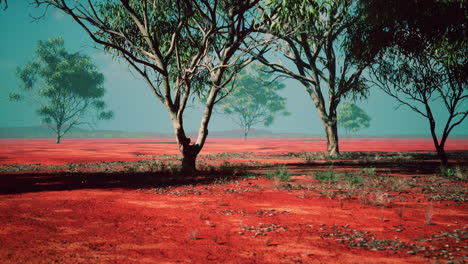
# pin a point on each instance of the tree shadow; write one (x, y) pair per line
(15, 183)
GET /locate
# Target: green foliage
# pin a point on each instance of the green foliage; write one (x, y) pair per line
(456, 172)
(323, 176)
(353, 179)
(368, 171)
(254, 98)
(410, 25)
(65, 85)
(311, 49)
(14, 97)
(352, 117)
(280, 173)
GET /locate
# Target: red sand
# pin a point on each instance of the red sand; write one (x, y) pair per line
(45, 151)
(239, 222)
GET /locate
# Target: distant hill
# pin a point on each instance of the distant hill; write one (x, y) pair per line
(76, 132)
(45, 132)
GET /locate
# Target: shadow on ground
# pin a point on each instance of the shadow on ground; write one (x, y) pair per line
(61, 181)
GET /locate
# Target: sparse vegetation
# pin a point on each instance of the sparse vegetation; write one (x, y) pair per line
(281, 174)
(354, 179)
(368, 171)
(325, 176)
(456, 172)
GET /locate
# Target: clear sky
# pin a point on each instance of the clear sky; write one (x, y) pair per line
(136, 108)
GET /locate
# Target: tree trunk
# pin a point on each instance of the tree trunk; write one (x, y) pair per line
(440, 148)
(189, 151)
(329, 121)
(57, 141)
(442, 156)
(189, 157)
(246, 132)
(331, 130)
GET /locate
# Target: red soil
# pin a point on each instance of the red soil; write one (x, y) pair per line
(45, 151)
(249, 221)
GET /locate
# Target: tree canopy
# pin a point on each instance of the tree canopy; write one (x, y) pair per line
(352, 118)
(312, 49)
(182, 49)
(423, 62)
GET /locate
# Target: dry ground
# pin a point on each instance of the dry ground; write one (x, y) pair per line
(264, 201)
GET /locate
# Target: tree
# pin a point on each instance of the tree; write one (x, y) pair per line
(254, 99)
(65, 86)
(422, 82)
(182, 49)
(352, 118)
(423, 64)
(6, 4)
(313, 50)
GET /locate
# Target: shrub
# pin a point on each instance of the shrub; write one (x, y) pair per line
(281, 173)
(454, 172)
(368, 171)
(354, 179)
(322, 176)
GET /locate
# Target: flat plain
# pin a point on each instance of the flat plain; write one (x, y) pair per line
(259, 201)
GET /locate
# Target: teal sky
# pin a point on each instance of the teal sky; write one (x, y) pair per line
(136, 108)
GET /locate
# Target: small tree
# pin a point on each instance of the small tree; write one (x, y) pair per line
(254, 99)
(65, 86)
(352, 118)
(422, 81)
(423, 59)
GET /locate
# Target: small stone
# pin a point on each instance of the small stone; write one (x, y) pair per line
(411, 252)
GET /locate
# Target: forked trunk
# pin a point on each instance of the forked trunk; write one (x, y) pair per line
(329, 121)
(190, 150)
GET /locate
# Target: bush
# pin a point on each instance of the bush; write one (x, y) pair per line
(354, 179)
(280, 173)
(322, 176)
(454, 172)
(368, 171)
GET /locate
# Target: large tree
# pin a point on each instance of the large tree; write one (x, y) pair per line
(254, 99)
(180, 48)
(66, 86)
(313, 50)
(423, 64)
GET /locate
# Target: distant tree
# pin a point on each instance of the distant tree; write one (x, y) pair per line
(352, 118)
(65, 85)
(254, 99)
